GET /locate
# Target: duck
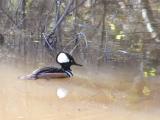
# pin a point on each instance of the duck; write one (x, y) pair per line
(64, 59)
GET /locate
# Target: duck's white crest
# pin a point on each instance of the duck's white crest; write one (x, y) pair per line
(62, 58)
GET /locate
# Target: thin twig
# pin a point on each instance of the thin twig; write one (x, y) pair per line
(45, 38)
(85, 38)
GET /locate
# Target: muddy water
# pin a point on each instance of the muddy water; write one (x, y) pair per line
(87, 99)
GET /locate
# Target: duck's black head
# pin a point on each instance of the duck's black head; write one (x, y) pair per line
(66, 60)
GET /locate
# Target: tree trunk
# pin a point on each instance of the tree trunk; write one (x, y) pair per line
(103, 33)
(149, 20)
(58, 29)
(23, 14)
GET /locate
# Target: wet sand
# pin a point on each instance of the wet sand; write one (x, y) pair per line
(87, 99)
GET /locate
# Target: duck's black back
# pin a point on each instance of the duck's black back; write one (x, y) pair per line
(48, 70)
(52, 70)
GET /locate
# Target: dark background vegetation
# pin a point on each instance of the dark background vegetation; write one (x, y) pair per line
(113, 33)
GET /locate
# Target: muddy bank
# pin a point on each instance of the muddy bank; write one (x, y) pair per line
(102, 98)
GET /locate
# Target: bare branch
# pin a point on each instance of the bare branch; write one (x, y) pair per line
(75, 7)
(62, 17)
(9, 17)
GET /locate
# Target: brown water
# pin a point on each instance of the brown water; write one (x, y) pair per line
(87, 99)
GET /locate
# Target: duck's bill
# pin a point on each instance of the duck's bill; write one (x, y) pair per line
(78, 64)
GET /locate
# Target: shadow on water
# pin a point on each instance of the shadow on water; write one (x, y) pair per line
(90, 97)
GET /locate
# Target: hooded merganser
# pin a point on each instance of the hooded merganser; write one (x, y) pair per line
(64, 59)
